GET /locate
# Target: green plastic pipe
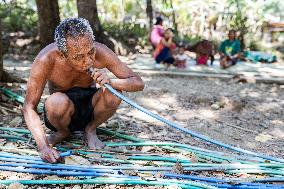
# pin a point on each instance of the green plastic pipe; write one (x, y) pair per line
(13, 137)
(140, 157)
(160, 182)
(19, 98)
(18, 130)
(243, 168)
(27, 132)
(188, 148)
(199, 153)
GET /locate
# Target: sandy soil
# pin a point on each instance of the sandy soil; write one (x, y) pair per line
(258, 108)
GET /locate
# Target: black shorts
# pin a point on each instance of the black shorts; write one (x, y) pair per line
(82, 100)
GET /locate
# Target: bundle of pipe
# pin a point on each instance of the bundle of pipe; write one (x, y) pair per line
(199, 152)
(184, 163)
(245, 168)
(159, 118)
(36, 166)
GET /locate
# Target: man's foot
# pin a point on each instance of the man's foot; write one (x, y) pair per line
(93, 141)
(57, 137)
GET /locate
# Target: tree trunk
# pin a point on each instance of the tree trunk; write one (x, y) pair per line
(1, 55)
(149, 12)
(4, 76)
(88, 9)
(174, 17)
(48, 17)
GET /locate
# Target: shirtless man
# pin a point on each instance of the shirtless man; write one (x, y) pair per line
(75, 103)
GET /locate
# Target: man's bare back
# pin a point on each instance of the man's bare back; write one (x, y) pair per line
(74, 103)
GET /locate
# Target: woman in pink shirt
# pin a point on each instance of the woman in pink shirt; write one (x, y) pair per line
(157, 32)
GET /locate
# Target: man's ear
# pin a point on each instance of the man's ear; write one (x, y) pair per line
(63, 54)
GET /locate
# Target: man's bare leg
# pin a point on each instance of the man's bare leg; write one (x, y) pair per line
(105, 105)
(59, 109)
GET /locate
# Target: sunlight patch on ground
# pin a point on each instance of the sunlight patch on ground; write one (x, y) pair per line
(268, 106)
(278, 132)
(278, 123)
(136, 114)
(206, 114)
(262, 137)
(152, 104)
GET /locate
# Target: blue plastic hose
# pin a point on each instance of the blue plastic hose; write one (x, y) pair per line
(248, 168)
(62, 173)
(36, 162)
(69, 171)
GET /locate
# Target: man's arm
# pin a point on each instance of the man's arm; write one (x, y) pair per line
(35, 87)
(126, 79)
(167, 43)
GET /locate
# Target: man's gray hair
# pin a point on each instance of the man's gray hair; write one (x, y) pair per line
(71, 27)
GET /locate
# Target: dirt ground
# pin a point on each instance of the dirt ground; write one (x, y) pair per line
(258, 108)
(247, 115)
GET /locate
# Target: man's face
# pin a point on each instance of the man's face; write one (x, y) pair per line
(81, 52)
(231, 35)
(181, 50)
(168, 34)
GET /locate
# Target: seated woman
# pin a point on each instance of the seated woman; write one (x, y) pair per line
(163, 52)
(230, 50)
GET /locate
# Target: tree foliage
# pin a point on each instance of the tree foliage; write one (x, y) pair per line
(19, 15)
(193, 19)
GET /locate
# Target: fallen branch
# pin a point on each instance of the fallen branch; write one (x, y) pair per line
(237, 127)
(9, 110)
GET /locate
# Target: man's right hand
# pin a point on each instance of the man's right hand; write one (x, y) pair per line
(49, 154)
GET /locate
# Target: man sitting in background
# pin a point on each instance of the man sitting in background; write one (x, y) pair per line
(230, 50)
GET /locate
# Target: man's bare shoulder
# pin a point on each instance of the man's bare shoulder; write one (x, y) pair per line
(102, 50)
(48, 55)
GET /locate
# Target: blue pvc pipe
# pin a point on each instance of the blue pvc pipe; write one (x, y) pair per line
(34, 160)
(89, 171)
(101, 172)
(63, 173)
(116, 168)
(65, 154)
(60, 167)
(271, 179)
(5, 154)
(194, 134)
(214, 180)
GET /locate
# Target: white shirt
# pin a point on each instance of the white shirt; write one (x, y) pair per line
(181, 57)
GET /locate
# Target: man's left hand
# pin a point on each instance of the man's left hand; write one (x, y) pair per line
(101, 77)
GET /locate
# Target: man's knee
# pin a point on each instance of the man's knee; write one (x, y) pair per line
(112, 101)
(58, 105)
